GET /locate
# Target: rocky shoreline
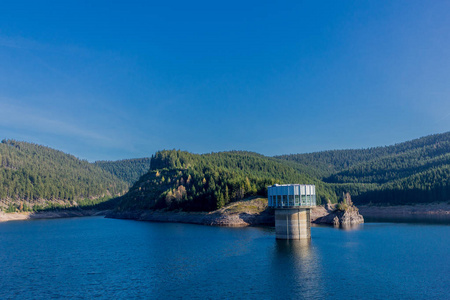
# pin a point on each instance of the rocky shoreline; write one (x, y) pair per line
(244, 217)
(419, 210)
(327, 214)
(211, 219)
(50, 215)
(319, 215)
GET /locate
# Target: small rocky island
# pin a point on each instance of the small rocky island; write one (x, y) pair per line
(344, 213)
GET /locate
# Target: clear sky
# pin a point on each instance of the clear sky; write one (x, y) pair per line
(123, 79)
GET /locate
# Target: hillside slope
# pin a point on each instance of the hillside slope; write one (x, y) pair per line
(327, 163)
(192, 182)
(416, 171)
(34, 176)
(38, 177)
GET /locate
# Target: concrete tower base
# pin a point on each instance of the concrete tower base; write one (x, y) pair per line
(293, 223)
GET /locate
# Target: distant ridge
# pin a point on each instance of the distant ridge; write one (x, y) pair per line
(331, 161)
(409, 172)
(128, 170)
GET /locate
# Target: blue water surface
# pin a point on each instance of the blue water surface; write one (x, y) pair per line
(94, 257)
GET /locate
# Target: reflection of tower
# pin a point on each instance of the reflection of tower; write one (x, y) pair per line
(297, 270)
(292, 204)
(301, 249)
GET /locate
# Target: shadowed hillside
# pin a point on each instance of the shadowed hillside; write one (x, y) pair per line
(128, 170)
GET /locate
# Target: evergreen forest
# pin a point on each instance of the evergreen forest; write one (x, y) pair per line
(35, 177)
(415, 171)
(192, 182)
(128, 170)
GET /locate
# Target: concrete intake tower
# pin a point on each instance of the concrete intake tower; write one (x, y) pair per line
(292, 204)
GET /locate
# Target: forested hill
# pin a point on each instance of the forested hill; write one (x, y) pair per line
(417, 171)
(326, 163)
(34, 175)
(129, 170)
(192, 182)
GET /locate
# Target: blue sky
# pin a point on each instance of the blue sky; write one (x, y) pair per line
(112, 80)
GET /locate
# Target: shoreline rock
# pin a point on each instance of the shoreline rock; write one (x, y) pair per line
(319, 215)
(336, 217)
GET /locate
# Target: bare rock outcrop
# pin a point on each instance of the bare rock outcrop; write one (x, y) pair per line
(341, 214)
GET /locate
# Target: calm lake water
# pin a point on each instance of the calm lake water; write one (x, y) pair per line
(106, 258)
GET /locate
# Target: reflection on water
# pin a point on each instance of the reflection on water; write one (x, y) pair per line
(422, 219)
(350, 227)
(297, 269)
(300, 248)
(344, 227)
